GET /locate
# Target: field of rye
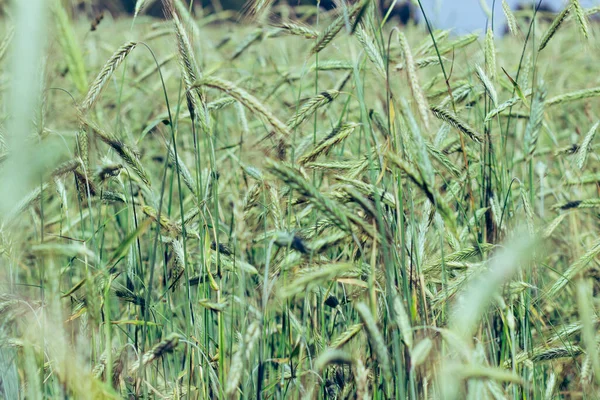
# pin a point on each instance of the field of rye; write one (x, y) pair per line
(301, 204)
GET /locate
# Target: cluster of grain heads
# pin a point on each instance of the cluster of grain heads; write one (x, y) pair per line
(586, 145)
(559, 345)
(253, 37)
(120, 360)
(422, 62)
(165, 346)
(532, 131)
(573, 96)
(458, 43)
(104, 76)
(196, 100)
(131, 158)
(529, 215)
(336, 136)
(183, 170)
(371, 50)
(461, 255)
(507, 105)
(577, 204)
(331, 31)
(248, 100)
(413, 80)
(490, 53)
(374, 236)
(487, 84)
(578, 267)
(86, 127)
(168, 227)
(298, 30)
(310, 107)
(178, 269)
(580, 17)
(553, 28)
(139, 6)
(309, 279)
(510, 18)
(331, 209)
(461, 125)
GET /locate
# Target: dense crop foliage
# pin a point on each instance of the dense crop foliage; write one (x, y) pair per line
(304, 204)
